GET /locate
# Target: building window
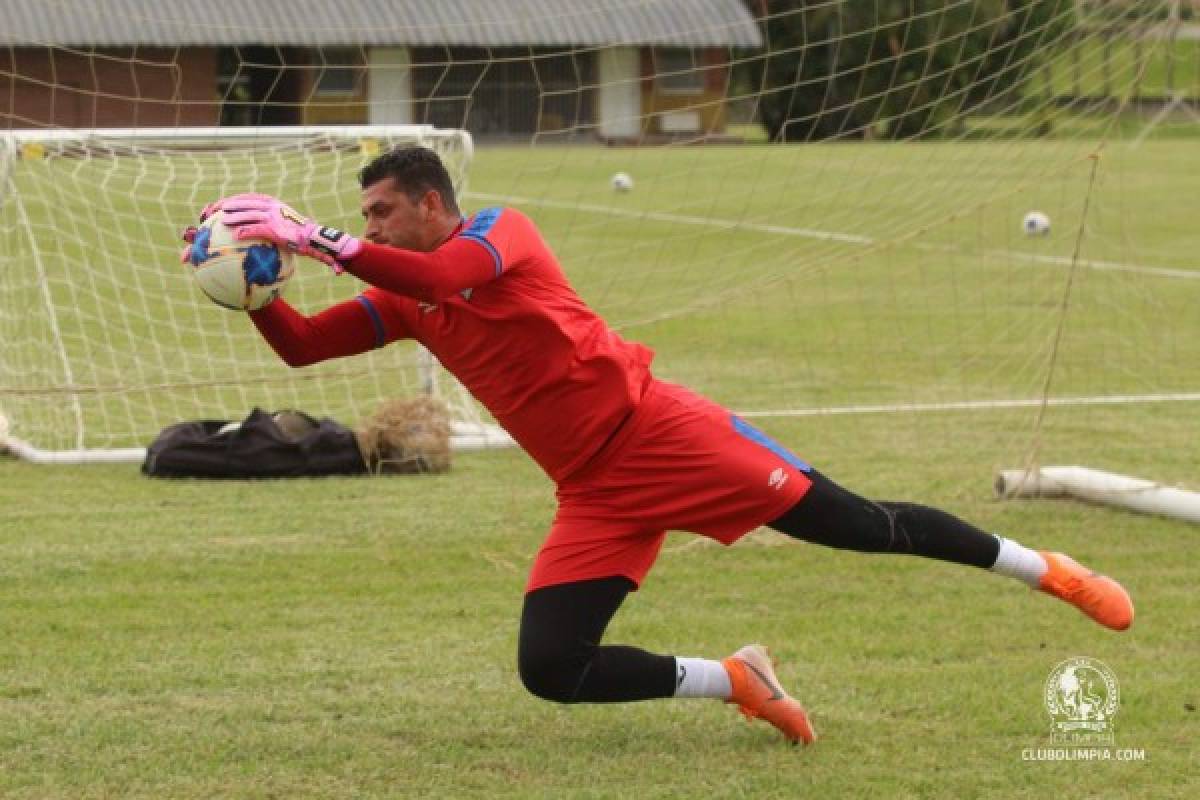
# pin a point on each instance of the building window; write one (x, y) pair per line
(679, 71)
(340, 72)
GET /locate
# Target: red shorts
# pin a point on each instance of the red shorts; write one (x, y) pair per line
(680, 462)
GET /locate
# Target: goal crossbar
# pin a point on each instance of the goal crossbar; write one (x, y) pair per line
(91, 294)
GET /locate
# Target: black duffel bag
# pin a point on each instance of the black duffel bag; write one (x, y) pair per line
(285, 444)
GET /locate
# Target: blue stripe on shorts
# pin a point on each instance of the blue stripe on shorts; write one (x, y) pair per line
(758, 437)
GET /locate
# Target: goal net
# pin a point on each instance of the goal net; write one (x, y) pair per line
(104, 340)
(822, 226)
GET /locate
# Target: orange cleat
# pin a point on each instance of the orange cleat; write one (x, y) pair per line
(758, 694)
(1098, 596)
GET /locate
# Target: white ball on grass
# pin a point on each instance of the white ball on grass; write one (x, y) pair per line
(621, 182)
(1035, 223)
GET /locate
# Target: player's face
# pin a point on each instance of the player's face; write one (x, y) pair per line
(394, 219)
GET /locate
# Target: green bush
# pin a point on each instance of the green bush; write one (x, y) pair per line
(895, 68)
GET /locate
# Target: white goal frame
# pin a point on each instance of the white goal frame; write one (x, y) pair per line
(469, 430)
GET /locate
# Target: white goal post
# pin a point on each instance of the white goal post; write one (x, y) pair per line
(105, 339)
(1098, 486)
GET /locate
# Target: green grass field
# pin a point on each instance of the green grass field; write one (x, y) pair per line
(1123, 66)
(356, 638)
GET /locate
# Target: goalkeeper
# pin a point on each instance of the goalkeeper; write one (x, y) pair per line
(631, 456)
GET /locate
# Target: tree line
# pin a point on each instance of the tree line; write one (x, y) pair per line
(895, 69)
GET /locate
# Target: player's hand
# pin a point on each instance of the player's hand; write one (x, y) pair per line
(236, 201)
(264, 217)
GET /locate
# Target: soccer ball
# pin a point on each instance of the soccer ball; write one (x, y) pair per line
(238, 274)
(621, 182)
(1035, 223)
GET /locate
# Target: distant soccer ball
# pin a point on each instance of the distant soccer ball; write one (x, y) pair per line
(621, 182)
(239, 274)
(1035, 223)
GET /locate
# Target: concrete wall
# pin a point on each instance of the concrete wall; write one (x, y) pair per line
(389, 86)
(619, 97)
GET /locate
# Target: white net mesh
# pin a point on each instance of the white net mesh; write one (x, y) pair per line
(106, 339)
(825, 217)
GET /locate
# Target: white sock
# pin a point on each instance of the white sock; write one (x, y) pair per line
(1019, 562)
(701, 677)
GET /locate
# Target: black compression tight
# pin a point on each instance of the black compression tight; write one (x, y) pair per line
(836, 517)
(560, 657)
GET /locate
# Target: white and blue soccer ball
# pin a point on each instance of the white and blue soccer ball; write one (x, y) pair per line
(621, 182)
(1035, 223)
(238, 274)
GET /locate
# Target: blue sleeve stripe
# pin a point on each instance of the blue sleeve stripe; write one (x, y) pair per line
(758, 437)
(482, 222)
(491, 249)
(376, 320)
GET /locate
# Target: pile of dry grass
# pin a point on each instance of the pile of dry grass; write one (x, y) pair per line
(406, 436)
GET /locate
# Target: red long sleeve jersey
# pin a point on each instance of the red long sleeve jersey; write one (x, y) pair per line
(493, 304)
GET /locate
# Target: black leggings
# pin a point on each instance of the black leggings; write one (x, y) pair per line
(835, 517)
(560, 657)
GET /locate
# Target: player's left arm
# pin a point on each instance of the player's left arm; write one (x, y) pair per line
(493, 241)
(460, 263)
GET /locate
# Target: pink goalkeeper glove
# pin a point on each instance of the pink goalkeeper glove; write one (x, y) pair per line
(245, 200)
(260, 216)
(240, 200)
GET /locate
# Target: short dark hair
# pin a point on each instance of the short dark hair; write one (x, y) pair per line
(416, 170)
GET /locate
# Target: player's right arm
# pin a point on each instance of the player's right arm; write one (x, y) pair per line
(345, 329)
